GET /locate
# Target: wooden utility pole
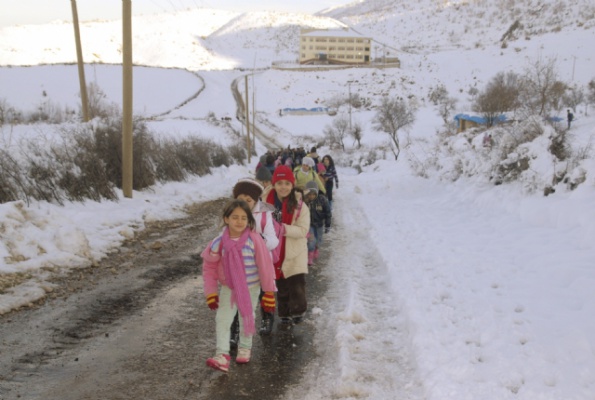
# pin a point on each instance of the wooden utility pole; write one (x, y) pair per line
(247, 120)
(127, 98)
(80, 63)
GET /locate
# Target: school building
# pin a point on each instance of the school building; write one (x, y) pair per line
(334, 46)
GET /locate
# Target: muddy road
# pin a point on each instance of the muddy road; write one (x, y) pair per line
(136, 326)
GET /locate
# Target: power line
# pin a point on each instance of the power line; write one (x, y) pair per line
(173, 5)
(159, 5)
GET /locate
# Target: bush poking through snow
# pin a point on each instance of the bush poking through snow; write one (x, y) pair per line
(86, 162)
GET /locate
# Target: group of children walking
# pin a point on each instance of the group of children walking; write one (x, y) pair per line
(272, 231)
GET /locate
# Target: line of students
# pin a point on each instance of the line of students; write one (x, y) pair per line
(236, 261)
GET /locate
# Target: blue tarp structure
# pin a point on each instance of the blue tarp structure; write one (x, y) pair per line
(478, 119)
(302, 109)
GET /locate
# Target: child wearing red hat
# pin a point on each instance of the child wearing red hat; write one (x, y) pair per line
(292, 266)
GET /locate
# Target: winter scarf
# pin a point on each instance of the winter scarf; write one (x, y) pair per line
(286, 218)
(235, 276)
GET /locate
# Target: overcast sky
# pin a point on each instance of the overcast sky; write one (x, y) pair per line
(19, 12)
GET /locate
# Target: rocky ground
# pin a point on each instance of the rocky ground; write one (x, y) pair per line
(135, 326)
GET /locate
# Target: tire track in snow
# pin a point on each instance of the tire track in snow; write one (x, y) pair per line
(358, 359)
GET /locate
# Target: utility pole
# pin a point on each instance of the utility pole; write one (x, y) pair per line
(127, 180)
(80, 63)
(247, 117)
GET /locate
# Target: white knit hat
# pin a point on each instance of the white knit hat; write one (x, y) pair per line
(308, 161)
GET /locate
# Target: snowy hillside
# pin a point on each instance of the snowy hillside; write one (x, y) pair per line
(427, 26)
(202, 39)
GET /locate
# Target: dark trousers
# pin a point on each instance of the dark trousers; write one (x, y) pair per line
(329, 190)
(291, 296)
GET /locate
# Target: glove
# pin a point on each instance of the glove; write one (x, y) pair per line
(327, 229)
(268, 302)
(213, 301)
(337, 185)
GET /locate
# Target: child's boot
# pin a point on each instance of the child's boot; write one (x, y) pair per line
(316, 254)
(266, 324)
(243, 356)
(310, 257)
(220, 362)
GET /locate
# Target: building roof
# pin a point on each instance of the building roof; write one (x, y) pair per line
(478, 119)
(334, 33)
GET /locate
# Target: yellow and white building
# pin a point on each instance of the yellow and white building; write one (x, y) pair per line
(334, 46)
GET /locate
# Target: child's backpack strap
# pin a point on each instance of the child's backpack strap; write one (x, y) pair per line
(299, 209)
(263, 221)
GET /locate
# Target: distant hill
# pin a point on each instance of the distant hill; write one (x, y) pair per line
(209, 39)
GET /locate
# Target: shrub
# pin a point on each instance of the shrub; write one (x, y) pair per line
(86, 162)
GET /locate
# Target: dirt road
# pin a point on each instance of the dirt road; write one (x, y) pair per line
(136, 327)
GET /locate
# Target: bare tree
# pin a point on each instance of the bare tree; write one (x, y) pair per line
(391, 116)
(444, 103)
(591, 92)
(336, 101)
(574, 97)
(357, 133)
(541, 91)
(337, 131)
(500, 95)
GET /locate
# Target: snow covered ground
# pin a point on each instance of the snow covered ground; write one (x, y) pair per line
(478, 291)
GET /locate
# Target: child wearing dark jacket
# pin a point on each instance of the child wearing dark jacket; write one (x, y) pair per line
(320, 219)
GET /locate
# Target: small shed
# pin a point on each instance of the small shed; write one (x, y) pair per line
(303, 111)
(467, 121)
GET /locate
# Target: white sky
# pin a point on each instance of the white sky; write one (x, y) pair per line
(440, 289)
(23, 12)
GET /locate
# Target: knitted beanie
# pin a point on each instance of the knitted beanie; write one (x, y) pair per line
(311, 186)
(283, 172)
(263, 174)
(249, 187)
(309, 161)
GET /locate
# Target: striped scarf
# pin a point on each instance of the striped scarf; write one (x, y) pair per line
(234, 270)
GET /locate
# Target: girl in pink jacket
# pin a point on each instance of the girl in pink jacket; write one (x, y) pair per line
(236, 264)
